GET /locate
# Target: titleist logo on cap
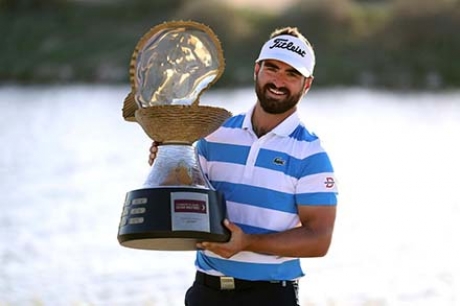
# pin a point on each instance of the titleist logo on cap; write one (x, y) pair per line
(283, 43)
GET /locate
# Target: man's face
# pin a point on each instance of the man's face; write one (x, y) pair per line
(279, 87)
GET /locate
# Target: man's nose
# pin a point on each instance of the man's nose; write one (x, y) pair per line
(279, 79)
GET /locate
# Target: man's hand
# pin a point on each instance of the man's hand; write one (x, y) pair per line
(237, 243)
(310, 239)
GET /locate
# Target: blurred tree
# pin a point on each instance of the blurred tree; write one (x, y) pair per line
(372, 1)
(223, 19)
(393, 43)
(319, 20)
(418, 39)
(26, 5)
(328, 25)
(152, 6)
(231, 28)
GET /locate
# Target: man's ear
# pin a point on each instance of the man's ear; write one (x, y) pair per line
(308, 82)
(256, 69)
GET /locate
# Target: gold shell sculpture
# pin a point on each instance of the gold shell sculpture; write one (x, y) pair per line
(171, 66)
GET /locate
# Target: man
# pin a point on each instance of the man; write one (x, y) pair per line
(278, 183)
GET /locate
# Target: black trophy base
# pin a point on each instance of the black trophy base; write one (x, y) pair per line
(172, 218)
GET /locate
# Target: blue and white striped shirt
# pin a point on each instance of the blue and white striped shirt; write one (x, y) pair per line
(264, 180)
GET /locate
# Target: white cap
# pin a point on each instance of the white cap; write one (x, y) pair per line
(291, 50)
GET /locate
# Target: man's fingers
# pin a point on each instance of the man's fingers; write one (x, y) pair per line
(153, 148)
(151, 159)
(153, 152)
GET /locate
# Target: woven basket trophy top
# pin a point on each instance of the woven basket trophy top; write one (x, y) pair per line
(171, 66)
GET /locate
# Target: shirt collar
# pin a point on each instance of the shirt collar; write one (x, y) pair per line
(284, 129)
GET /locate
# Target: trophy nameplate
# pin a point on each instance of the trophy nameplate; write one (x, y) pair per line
(172, 65)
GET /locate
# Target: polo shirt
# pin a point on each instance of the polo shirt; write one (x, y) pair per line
(264, 180)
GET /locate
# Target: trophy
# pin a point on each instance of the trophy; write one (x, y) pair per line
(171, 66)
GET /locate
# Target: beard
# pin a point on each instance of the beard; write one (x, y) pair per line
(276, 106)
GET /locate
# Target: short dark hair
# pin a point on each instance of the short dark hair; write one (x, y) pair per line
(293, 31)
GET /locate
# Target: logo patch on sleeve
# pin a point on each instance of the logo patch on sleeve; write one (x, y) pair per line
(329, 183)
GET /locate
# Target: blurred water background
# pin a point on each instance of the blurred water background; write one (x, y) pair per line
(68, 157)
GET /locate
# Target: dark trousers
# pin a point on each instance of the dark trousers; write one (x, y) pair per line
(206, 291)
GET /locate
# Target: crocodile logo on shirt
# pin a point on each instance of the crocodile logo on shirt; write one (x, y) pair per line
(279, 161)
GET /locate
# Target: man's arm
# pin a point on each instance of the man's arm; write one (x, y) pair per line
(311, 239)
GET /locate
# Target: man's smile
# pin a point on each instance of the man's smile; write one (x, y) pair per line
(276, 91)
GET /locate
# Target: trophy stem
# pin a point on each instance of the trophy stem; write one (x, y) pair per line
(176, 165)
